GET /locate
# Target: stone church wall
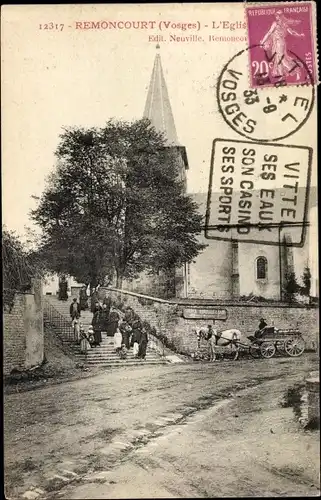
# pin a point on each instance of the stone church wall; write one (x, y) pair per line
(168, 317)
(269, 287)
(210, 274)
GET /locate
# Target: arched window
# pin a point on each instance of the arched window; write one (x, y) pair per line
(261, 268)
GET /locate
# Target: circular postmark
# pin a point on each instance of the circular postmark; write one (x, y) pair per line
(264, 114)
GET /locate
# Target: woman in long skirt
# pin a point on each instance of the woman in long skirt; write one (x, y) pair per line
(143, 344)
(113, 322)
(136, 336)
(125, 329)
(96, 324)
(117, 340)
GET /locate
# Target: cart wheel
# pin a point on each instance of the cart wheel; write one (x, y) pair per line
(294, 347)
(267, 349)
(255, 351)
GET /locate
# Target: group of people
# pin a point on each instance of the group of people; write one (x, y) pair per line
(128, 332)
(131, 335)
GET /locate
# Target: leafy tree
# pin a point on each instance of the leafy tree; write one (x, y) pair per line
(17, 271)
(291, 287)
(18, 268)
(306, 279)
(115, 204)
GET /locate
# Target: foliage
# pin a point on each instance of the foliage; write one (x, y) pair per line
(115, 205)
(290, 287)
(18, 267)
(306, 279)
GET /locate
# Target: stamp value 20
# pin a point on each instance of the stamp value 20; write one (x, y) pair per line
(282, 37)
(258, 190)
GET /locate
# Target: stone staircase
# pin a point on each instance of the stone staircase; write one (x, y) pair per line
(105, 355)
(63, 308)
(57, 317)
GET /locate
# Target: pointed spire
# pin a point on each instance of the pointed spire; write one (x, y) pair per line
(158, 108)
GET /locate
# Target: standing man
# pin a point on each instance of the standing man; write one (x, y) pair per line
(143, 344)
(74, 309)
(211, 339)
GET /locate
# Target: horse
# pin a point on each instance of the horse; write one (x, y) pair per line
(227, 338)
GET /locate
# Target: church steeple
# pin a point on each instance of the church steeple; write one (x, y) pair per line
(158, 107)
(159, 111)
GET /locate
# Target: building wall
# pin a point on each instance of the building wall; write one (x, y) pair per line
(210, 274)
(23, 341)
(249, 284)
(167, 318)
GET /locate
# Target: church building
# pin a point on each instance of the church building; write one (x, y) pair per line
(225, 269)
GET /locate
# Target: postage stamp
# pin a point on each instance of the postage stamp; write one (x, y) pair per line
(282, 37)
(265, 115)
(258, 192)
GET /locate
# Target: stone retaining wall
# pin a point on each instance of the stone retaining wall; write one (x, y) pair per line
(23, 340)
(170, 318)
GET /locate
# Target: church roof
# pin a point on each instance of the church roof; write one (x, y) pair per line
(158, 107)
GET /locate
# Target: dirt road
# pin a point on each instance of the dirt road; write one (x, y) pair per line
(163, 431)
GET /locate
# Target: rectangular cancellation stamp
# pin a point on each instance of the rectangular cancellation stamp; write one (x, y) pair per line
(258, 193)
(282, 44)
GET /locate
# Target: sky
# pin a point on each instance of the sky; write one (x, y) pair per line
(77, 77)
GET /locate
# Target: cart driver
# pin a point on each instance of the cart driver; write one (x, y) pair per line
(262, 325)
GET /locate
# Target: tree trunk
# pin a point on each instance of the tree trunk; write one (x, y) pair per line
(119, 279)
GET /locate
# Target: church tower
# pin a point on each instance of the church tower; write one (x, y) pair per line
(159, 111)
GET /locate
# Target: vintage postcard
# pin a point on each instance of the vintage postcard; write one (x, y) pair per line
(160, 250)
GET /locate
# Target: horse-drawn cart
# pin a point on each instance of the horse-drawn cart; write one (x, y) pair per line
(272, 340)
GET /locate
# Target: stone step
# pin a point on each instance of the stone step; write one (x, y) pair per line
(101, 356)
(120, 361)
(92, 355)
(126, 362)
(107, 352)
(115, 360)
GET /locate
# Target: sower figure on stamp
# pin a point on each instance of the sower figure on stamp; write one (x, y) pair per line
(274, 41)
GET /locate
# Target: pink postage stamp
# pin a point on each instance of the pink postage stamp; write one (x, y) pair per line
(282, 45)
